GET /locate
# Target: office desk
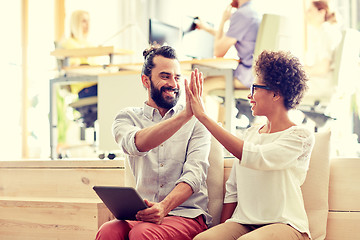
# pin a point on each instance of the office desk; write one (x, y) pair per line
(110, 51)
(119, 86)
(63, 80)
(113, 95)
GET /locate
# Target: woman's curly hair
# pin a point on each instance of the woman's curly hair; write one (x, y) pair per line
(284, 74)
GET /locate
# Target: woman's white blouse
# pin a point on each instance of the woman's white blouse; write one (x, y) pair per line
(266, 182)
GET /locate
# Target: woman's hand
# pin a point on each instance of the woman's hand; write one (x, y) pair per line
(194, 91)
(188, 110)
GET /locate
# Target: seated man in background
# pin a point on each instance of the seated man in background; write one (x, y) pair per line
(242, 33)
(168, 153)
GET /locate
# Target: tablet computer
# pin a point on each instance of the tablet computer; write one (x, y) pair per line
(123, 202)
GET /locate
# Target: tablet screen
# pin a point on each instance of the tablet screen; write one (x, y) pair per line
(123, 202)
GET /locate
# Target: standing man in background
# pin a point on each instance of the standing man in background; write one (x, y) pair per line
(168, 153)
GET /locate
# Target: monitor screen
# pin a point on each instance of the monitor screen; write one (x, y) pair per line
(187, 40)
(196, 43)
(164, 34)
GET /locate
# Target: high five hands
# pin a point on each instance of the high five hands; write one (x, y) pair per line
(194, 91)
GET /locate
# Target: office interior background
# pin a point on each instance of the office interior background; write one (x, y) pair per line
(30, 29)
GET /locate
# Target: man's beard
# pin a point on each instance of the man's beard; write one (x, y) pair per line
(158, 98)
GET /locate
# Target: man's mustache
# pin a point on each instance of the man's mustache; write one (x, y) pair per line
(176, 90)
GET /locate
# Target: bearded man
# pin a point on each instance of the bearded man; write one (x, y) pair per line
(168, 150)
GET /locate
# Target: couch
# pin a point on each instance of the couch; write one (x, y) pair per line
(331, 190)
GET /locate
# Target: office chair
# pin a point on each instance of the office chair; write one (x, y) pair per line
(346, 62)
(273, 34)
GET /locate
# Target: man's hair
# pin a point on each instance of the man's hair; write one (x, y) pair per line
(149, 54)
(284, 74)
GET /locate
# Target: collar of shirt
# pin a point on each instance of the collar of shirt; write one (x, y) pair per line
(246, 4)
(152, 113)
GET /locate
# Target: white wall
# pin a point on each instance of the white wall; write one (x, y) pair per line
(10, 97)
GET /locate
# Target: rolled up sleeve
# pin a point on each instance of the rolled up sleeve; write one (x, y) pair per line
(124, 129)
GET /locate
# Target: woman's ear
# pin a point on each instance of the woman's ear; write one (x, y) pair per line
(145, 81)
(276, 96)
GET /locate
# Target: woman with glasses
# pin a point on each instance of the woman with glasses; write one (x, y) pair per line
(263, 197)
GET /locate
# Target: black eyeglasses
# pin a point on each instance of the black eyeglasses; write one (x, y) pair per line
(253, 86)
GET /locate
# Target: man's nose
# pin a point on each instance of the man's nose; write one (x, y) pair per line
(173, 82)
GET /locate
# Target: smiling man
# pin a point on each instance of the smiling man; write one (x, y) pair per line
(168, 153)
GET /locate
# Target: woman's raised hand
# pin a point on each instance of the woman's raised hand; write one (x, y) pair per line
(194, 91)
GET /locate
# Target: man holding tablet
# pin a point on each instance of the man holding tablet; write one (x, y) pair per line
(168, 152)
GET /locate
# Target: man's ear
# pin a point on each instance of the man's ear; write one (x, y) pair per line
(146, 81)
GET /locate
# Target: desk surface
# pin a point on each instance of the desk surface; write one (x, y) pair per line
(89, 52)
(220, 63)
(211, 62)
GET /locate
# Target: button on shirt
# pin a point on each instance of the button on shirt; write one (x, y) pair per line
(181, 158)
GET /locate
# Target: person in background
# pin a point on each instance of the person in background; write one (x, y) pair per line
(79, 31)
(168, 153)
(263, 197)
(323, 37)
(242, 33)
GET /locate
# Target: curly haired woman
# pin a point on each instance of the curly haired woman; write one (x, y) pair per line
(263, 197)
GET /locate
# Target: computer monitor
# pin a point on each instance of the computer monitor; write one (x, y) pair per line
(187, 40)
(196, 43)
(164, 34)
